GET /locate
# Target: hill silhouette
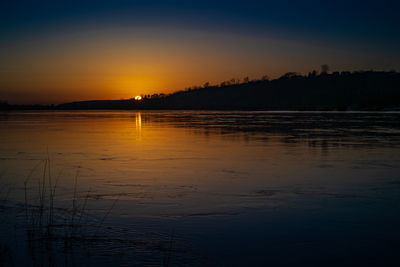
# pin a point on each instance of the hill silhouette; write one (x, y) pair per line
(362, 90)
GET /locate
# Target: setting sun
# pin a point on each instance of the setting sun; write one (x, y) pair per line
(138, 98)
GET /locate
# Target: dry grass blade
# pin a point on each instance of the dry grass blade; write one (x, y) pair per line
(106, 214)
(74, 200)
(26, 186)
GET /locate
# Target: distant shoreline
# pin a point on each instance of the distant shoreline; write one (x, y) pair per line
(344, 91)
(212, 110)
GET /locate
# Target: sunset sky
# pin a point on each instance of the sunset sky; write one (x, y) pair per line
(61, 51)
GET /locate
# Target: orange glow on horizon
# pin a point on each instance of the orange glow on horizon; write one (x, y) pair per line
(120, 64)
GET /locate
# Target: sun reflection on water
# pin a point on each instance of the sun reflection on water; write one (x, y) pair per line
(139, 124)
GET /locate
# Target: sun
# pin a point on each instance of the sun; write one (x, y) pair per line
(138, 98)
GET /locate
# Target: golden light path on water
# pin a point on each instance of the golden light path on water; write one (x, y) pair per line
(139, 124)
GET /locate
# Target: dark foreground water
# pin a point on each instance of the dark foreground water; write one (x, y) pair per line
(191, 188)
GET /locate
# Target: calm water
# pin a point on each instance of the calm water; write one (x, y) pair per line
(211, 188)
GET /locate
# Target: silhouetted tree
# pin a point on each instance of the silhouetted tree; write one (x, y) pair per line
(289, 75)
(233, 81)
(312, 74)
(265, 78)
(324, 69)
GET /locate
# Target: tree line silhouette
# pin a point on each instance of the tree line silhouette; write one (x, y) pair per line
(336, 91)
(358, 90)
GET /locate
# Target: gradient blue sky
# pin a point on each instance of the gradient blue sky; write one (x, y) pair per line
(57, 51)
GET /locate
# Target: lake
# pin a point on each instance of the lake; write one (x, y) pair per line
(200, 188)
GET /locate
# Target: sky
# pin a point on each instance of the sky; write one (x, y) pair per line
(62, 51)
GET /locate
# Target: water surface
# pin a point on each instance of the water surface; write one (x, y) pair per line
(228, 188)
